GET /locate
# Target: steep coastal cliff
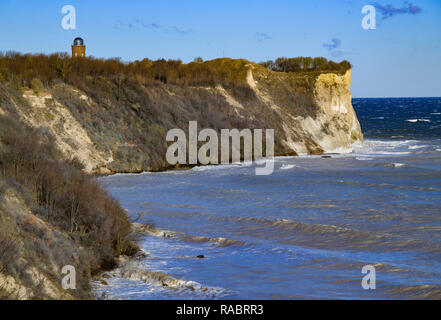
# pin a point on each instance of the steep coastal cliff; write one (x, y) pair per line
(116, 124)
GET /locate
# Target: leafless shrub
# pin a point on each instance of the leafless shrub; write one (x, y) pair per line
(9, 254)
(61, 193)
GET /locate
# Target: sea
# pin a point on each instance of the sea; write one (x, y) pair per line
(308, 231)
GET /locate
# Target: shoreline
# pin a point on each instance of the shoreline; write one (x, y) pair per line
(168, 248)
(366, 141)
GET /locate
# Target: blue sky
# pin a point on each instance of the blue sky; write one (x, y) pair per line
(401, 58)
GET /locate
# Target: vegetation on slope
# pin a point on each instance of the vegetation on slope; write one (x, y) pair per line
(22, 69)
(71, 220)
(306, 64)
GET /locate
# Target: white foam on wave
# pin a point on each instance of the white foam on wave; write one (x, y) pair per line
(364, 159)
(398, 165)
(397, 153)
(393, 147)
(389, 143)
(288, 166)
(417, 147)
(121, 175)
(152, 283)
(417, 120)
(372, 148)
(243, 164)
(203, 168)
(130, 174)
(219, 167)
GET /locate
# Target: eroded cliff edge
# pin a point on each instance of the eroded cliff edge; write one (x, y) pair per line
(117, 124)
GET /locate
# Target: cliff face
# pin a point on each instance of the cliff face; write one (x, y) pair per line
(116, 126)
(316, 111)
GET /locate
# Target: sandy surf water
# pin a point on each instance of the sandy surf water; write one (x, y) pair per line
(304, 232)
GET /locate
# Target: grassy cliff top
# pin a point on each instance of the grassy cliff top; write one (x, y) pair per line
(23, 69)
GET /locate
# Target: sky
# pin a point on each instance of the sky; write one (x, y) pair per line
(400, 58)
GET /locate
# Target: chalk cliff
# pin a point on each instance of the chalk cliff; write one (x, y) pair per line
(315, 110)
(112, 125)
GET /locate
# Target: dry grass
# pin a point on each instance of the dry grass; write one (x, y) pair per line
(66, 199)
(35, 71)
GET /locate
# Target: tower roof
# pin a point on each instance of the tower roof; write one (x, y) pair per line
(78, 42)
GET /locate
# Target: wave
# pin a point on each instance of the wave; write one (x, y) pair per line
(293, 232)
(417, 147)
(371, 143)
(327, 236)
(394, 165)
(397, 153)
(388, 147)
(431, 292)
(130, 174)
(308, 227)
(222, 242)
(165, 280)
(398, 165)
(222, 166)
(288, 166)
(131, 270)
(364, 159)
(152, 231)
(417, 120)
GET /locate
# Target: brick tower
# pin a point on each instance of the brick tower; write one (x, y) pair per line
(78, 48)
